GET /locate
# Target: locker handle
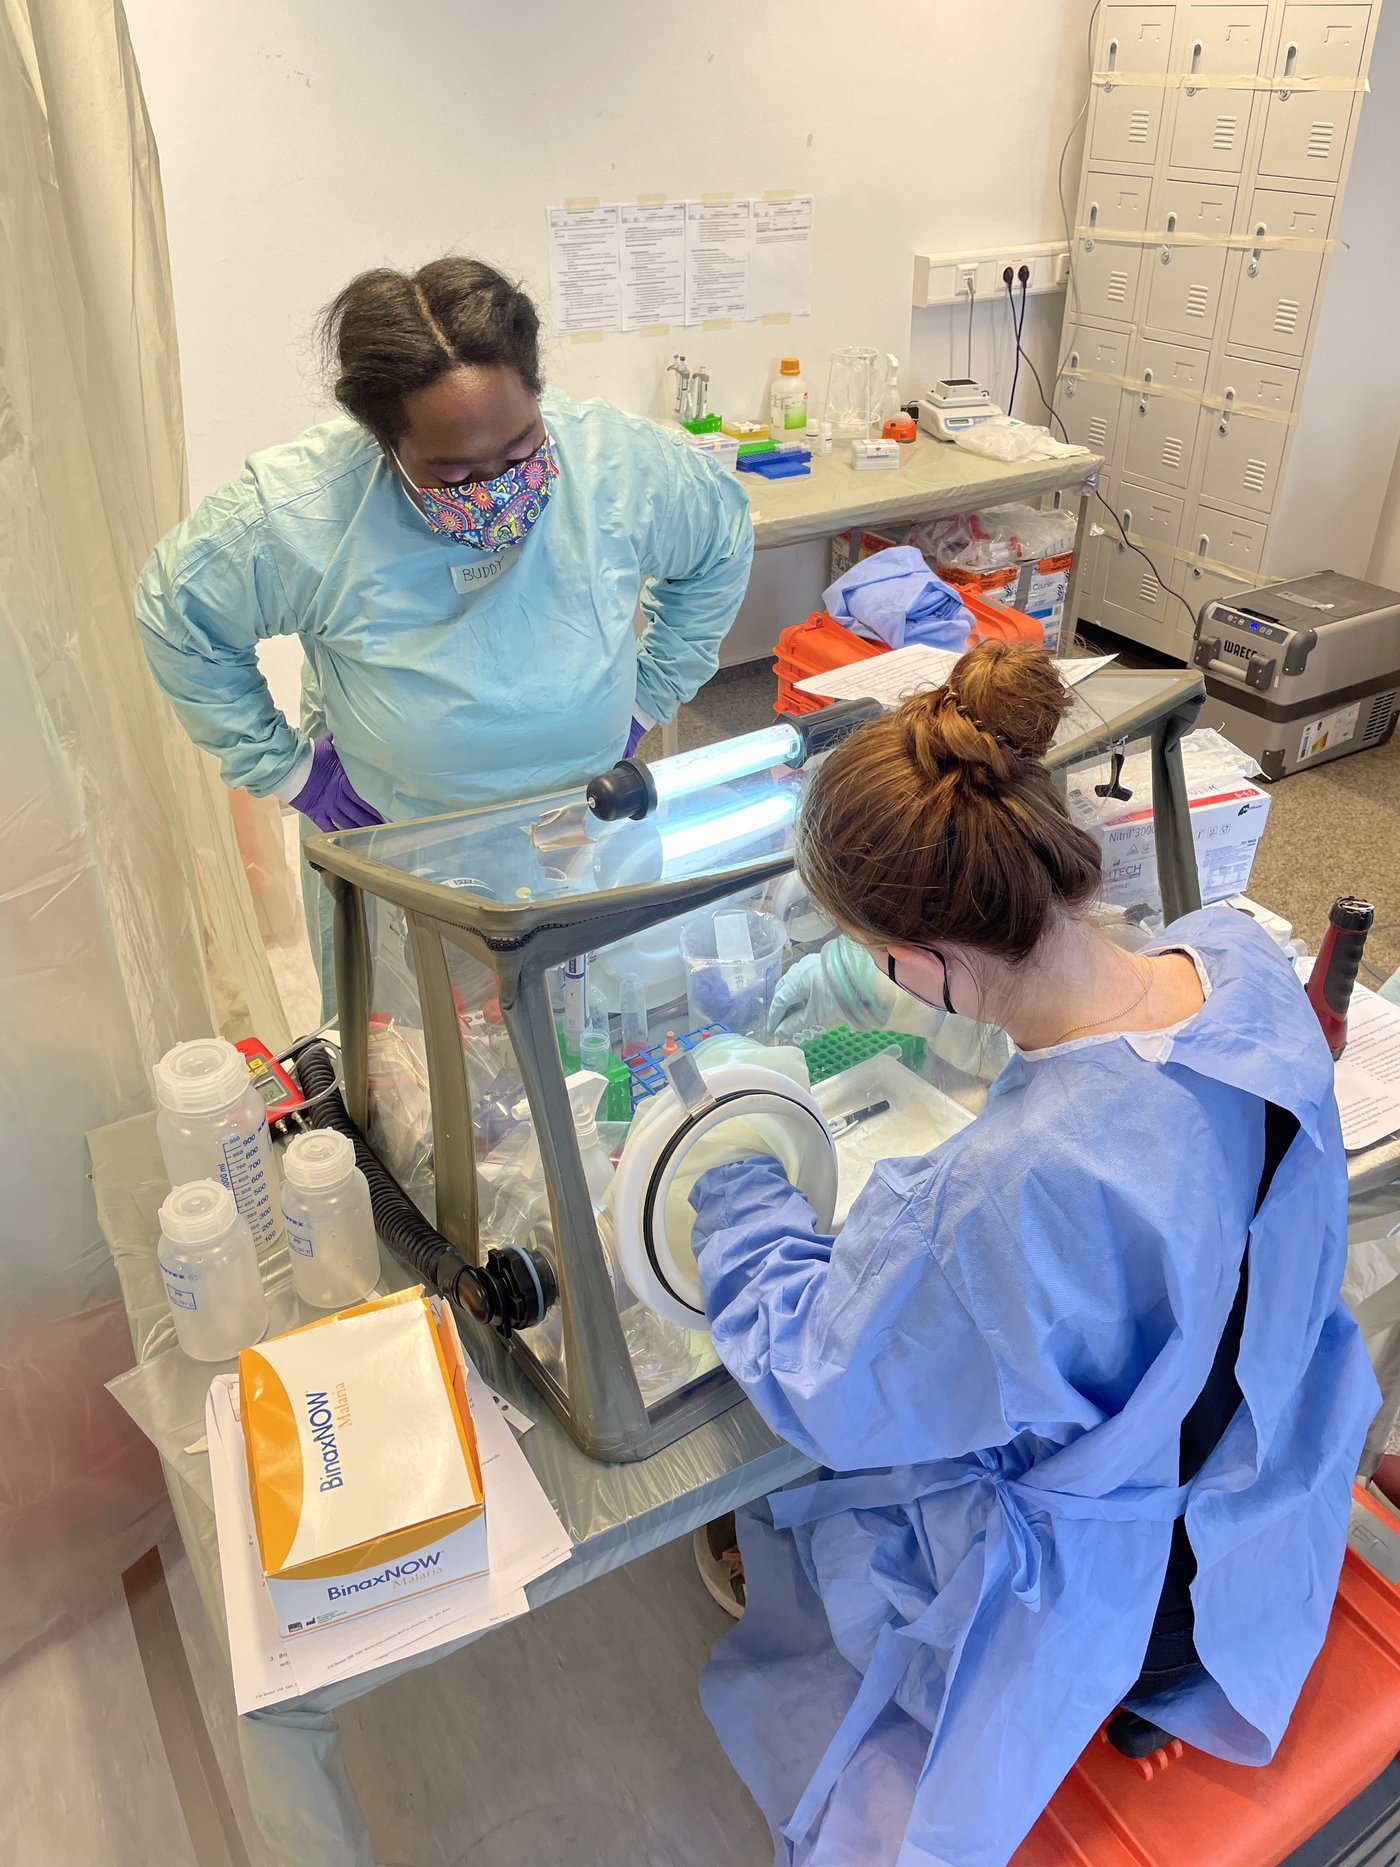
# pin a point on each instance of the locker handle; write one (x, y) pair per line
(1256, 252)
(1145, 399)
(1093, 222)
(1070, 384)
(1112, 63)
(1127, 527)
(1290, 68)
(1196, 51)
(1226, 413)
(1166, 250)
(1202, 551)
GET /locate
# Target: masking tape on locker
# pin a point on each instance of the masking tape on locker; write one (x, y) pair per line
(1223, 81)
(1156, 550)
(1231, 405)
(1247, 242)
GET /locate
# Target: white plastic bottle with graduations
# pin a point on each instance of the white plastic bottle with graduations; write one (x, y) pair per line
(212, 1125)
(330, 1227)
(210, 1271)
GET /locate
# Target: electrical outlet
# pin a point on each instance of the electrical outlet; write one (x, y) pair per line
(942, 278)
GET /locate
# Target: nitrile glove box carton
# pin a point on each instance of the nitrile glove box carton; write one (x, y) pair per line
(363, 1467)
(1228, 814)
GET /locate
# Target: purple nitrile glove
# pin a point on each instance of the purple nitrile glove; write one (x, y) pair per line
(634, 738)
(328, 797)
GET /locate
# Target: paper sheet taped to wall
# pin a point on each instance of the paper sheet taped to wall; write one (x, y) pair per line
(621, 266)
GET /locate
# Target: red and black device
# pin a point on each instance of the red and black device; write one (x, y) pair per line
(1336, 966)
(274, 1084)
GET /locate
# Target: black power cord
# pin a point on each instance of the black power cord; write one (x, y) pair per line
(1064, 435)
(1007, 277)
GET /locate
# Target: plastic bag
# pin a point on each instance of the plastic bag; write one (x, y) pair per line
(997, 538)
(1002, 438)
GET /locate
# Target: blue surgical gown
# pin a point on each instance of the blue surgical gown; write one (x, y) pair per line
(993, 1359)
(450, 677)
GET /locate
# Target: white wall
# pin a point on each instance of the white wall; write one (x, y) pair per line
(303, 140)
(1334, 492)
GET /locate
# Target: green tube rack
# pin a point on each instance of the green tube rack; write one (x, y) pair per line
(841, 1048)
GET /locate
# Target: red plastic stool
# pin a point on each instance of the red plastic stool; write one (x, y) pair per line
(1185, 1809)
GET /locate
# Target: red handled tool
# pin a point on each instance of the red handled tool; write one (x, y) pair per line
(1336, 966)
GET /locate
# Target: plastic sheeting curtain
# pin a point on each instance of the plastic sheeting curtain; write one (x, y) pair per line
(125, 921)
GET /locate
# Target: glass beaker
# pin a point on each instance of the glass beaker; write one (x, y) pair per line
(851, 392)
(733, 957)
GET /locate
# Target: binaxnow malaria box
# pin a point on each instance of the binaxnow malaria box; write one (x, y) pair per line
(363, 1468)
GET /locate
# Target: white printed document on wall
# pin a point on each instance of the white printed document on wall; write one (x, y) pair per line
(628, 266)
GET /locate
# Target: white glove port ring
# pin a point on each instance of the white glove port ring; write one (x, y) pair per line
(651, 1215)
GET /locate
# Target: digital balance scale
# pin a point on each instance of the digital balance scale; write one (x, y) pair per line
(954, 405)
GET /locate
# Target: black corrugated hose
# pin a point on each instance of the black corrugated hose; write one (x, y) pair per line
(514, 1289)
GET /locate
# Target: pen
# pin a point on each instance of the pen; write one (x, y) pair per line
(853, 1120)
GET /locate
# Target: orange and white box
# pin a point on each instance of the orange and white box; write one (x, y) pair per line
(363, 1467)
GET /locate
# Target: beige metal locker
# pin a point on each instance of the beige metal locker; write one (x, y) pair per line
(1127, 118)
(1278, 286)
(1134, 602)
(1251, 160)
(1186, 281)
(1160, 424)
(1212, 124)
(1243, 458)
(1216, 540)
(1305, 132)
(1089, 410)
(1242, 451)
(1105, 271)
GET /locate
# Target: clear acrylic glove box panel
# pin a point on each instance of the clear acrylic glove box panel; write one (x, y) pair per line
(517, 983)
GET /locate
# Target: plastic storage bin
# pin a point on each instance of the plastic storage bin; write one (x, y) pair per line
(1184, 1808)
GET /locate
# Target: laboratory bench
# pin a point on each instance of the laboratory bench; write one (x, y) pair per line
(934, 480)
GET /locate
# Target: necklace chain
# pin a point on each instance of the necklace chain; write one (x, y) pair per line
(1089, 1023)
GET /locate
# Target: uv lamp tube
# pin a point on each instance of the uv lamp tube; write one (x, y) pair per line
(692, 839)
(634, 788)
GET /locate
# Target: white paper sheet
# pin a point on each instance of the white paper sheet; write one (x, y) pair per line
(1368, 1071)
(717, 251)
(585, 268)
(526, 1540)
(780, 264)
(653, 264)
(892, 677)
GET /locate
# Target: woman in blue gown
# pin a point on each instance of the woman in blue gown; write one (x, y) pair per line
(1003, 1359)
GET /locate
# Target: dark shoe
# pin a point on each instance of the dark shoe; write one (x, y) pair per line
(1135, 1737)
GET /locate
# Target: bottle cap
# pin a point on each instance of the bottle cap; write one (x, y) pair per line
(197, 1077)
(197, 1212)
(790, 366)
(323, 1157)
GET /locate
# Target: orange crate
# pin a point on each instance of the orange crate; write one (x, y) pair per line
(820, 644)
(1185, 1809)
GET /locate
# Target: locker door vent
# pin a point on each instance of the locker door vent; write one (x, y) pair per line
(1286, 316)
(1226, 129)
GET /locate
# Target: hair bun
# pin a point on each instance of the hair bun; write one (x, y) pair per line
(997, 711)
(1014, 693)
